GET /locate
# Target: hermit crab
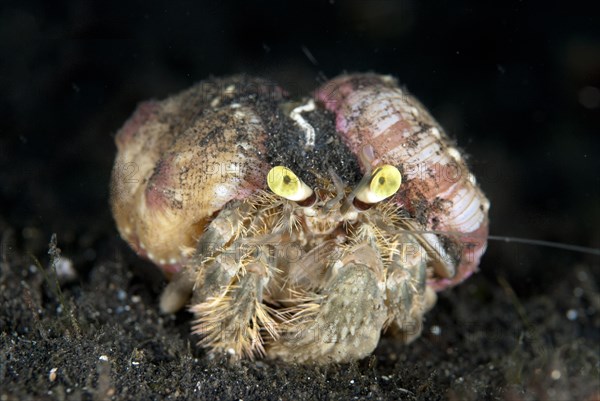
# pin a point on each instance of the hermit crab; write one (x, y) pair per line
(298, 228)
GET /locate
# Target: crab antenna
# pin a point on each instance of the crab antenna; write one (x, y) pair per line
(525, 241)
(366, 157)
(339, 187)
(549, 244)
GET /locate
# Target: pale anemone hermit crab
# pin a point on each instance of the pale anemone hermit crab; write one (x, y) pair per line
(298, 229)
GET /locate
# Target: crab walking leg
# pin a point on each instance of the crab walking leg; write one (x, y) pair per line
(208, 267)
(177, 293)
(408, 296)
(346, 324)
(234, 320)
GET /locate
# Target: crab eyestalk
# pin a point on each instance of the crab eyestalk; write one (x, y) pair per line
(283, 182)
(383, 183)
(374, 188)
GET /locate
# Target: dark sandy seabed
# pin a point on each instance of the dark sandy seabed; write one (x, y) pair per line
(512, 84)
(101, 337)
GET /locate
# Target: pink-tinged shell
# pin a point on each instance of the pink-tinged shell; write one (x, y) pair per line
(437, 189)
(180, 161)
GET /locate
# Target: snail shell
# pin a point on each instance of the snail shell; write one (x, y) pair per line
(182, 159)
(438, 190)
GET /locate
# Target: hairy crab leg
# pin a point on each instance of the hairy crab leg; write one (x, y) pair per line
(339, 328)
(408, 296)
(234, 320)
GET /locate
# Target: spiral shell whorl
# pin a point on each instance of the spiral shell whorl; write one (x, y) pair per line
(184, 158)
(439, 191)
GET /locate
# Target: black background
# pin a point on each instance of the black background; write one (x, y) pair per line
(515, 83)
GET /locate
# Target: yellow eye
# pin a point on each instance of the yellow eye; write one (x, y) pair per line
(385, 181)
(283, 182)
